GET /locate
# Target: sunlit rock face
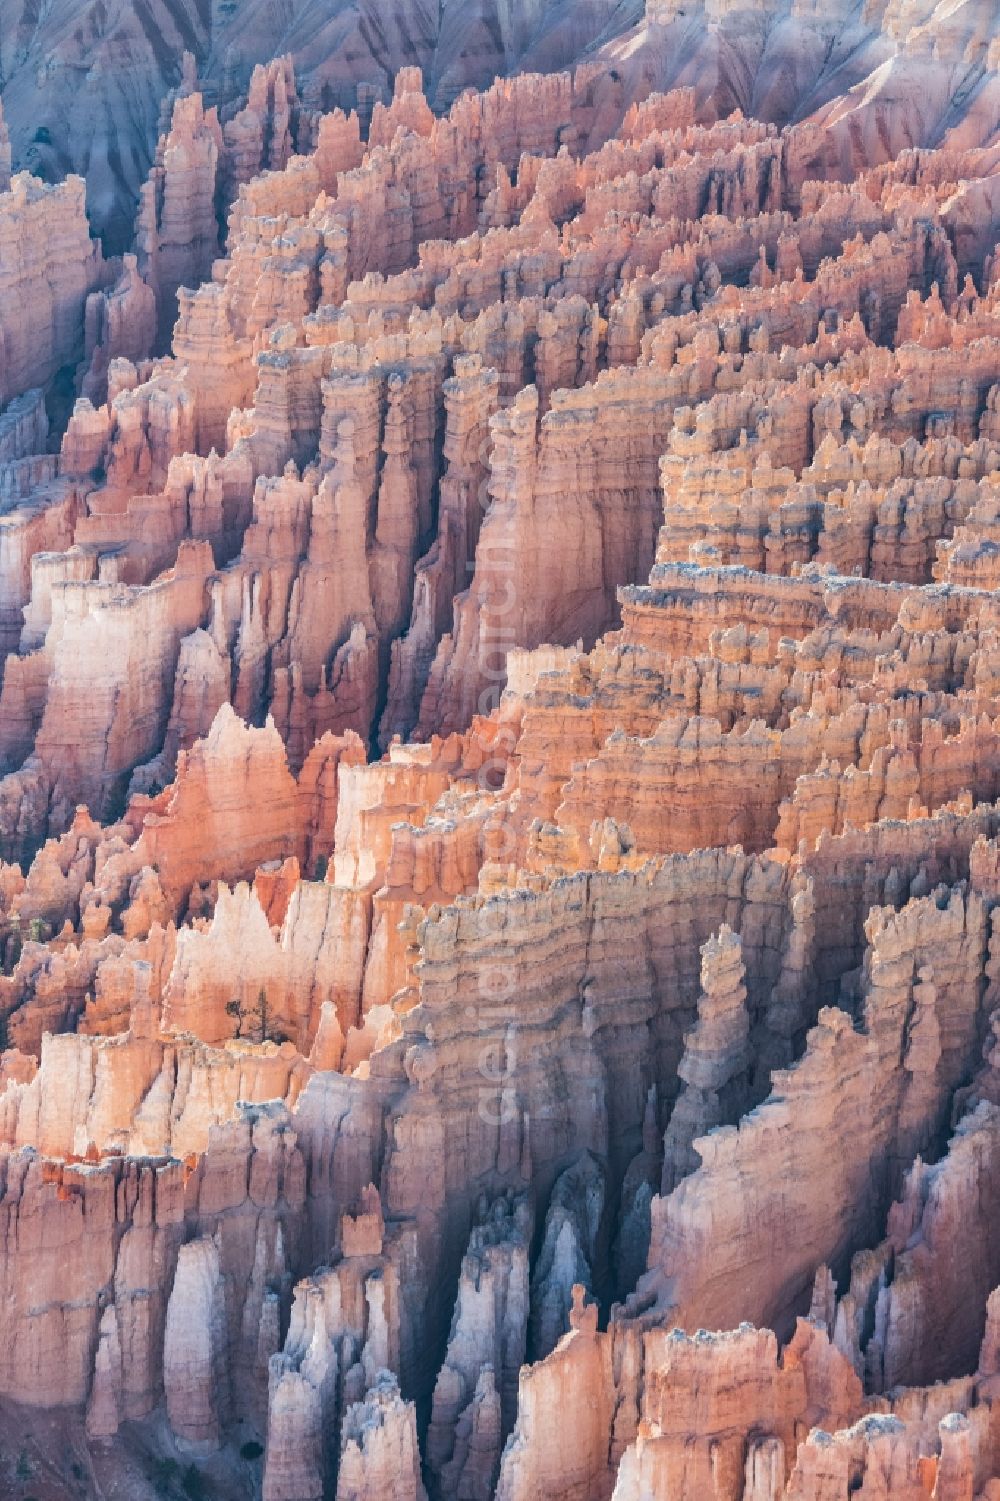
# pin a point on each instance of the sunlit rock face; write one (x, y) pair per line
(500, 752)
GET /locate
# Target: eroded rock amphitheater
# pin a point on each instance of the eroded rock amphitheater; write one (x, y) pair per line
(500, 752)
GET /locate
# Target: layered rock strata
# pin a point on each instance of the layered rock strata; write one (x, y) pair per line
(500, 797)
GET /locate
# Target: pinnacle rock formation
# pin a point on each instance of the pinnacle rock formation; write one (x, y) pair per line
(716, 1058)
(475, 1393)
(194, 1372)
(499, 751)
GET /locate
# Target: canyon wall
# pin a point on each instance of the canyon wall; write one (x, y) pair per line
(500, 759)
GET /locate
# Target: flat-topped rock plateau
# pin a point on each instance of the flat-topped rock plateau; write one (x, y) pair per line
(499, 751)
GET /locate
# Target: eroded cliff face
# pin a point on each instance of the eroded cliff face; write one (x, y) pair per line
(500, 750)
(88, 87)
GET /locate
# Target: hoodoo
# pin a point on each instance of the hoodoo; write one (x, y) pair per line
(499, 751)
